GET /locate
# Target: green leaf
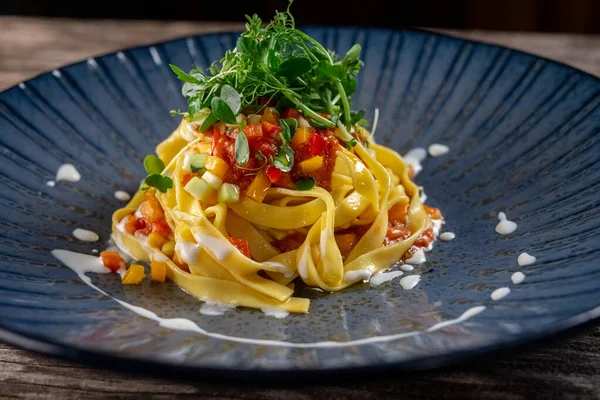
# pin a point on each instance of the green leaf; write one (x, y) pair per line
(356, 116)
(293, 124)
(246, 45)
(232, 98)
(242, 151)
(283, 104)
(349, 86)
(316, 124)
(352, 55)
(183, 76)
(214, 69)
(197, 162)
(305, 183)
(153, 164)
(284, 158)
(286, 135)
(222, 111)
(162, 183)
(327, 72)
(208, 122)
(295, 67)
(350, 144)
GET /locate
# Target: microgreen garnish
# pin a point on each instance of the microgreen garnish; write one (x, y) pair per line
(292, 123)
(305, 183)
(222, 111)
(284, 158)
(279, 62)
(162, 183)
(197, 162)
(153, 164)
(242, 151)
(154, 167)
(350, 144)
(286, 134)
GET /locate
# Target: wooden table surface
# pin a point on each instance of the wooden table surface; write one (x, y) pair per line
(568, 368)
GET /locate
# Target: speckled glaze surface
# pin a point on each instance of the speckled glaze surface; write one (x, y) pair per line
(524, 138)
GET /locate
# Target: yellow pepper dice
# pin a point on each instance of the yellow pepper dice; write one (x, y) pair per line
(302, 134)
(156, 240)
(158, 270)
(311, 165)
(134, 275)
(216, 165)
(259, 187)
(168, 248)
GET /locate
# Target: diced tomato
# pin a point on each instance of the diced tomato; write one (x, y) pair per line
(396, 232)
(324, 115)
(346, 242)
(243, 245)
(162, 227)
(151, 210)
(426, 238)
(139, 223)
(290, 113)
(188, 177)
(290, 242)
(130, 224)
(398, 212)
(274, 173)
(285, 181)
(317, 144)
(112, 260)
(270, 128)
(433, 212)
(268, 149)
(253, 131)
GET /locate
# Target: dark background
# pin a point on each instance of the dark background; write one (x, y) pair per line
(579, 16)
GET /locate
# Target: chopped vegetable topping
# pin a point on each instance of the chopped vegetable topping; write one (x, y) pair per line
(112, 260)
(243, 245)
(134, 275)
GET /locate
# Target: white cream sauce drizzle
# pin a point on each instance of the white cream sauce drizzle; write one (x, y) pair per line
(188, 251)
(414, 158)
(215, 309)
(417, 258)
(525, 259)
(85, 235)
(213, 245)
(67, 172)
(505, 226)
(302, 264)
(357, 274)
(275, 312)
(138, 212)
(447, 236)
(409, 282)
(82, 263)
(517, 277)
(281, 268)
(500, 293)
(382, 277)
(407, 267)
(121, 195)
(51, 183)
(436, 150)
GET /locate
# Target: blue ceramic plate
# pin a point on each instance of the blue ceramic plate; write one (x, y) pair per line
(524, 139)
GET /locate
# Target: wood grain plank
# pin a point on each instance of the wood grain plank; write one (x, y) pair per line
(569, 369)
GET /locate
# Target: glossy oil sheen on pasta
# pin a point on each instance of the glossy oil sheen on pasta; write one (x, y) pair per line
(366, 184)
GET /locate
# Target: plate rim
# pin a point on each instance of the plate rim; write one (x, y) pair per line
(40, 344)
